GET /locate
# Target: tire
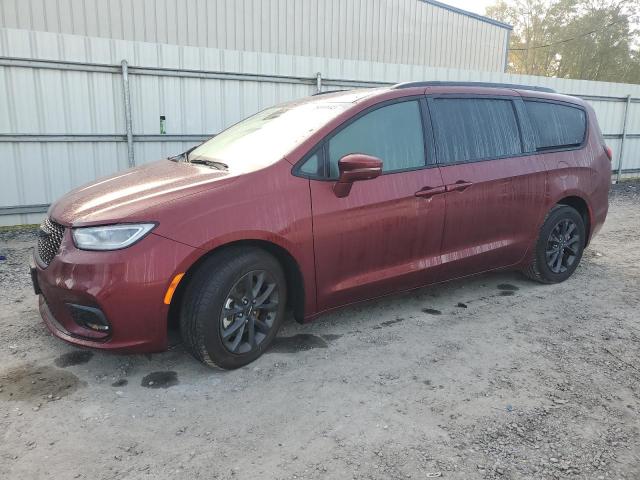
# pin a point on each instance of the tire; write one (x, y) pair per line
(222, 283)
(560, 222)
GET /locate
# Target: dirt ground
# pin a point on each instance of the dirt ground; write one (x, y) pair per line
(493, 377)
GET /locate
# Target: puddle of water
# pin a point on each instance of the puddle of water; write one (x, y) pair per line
(160, 380)
(297, 343)
(330, 337)
(36, 383)
(388, 323)
(432, 311)
(508, 287)
(461, 305)
(77, 357)
(121, 382)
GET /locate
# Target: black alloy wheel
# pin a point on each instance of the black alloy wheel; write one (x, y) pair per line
(558, 250)
(233, 306)
(249, 311)
(563, 246)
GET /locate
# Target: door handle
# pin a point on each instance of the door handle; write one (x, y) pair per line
(428, 192)
(459, 186)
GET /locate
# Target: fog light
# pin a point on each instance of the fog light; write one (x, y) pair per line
(89, 317)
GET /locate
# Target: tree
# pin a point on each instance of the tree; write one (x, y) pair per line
(585, 39)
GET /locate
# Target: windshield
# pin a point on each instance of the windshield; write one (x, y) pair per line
(269, 135)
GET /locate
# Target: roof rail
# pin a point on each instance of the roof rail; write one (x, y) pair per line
(472, 84)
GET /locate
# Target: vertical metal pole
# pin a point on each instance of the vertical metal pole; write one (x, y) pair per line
(624, 137)
(506, 51)
(319, 82)
(127, 112)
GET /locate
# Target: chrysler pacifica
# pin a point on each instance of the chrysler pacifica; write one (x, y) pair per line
(318, 203)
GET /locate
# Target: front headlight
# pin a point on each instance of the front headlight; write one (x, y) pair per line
(110, 237)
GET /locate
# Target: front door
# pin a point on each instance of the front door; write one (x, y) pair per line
(385, 235)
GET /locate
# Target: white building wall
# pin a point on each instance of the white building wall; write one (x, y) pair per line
(415, 32)
(50, 101)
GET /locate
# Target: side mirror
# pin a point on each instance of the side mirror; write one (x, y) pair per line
(355, 167)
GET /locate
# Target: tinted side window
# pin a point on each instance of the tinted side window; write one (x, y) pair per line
(392, 133)
(312, 166)
(468, 129)
(556, 125)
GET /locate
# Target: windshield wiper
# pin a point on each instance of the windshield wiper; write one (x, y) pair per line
(184, 156)
(210, 163)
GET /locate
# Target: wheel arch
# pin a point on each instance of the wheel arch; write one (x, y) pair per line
(291, 268)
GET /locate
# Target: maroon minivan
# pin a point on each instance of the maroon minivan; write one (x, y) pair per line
(319, 203)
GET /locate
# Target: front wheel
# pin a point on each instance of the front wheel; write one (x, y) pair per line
(233, 307)
(559, 247)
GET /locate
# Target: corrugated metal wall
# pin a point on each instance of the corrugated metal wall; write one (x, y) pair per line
(390, 31)
(39, 99)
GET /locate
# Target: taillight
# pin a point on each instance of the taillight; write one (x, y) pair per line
(608, 151)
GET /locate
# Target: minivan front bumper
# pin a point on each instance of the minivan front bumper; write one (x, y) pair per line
(110, 300)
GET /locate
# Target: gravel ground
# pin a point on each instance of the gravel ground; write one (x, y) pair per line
(493, 377)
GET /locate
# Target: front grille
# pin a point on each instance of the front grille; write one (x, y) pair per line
(49, 239)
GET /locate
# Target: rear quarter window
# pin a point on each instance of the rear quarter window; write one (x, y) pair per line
(555, 125)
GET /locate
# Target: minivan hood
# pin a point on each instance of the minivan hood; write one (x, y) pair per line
(125, 195)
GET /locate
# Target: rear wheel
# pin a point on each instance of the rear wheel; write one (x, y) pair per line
(233, 307)
(559, 247)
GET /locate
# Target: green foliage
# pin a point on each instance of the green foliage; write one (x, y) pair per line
(584, 39)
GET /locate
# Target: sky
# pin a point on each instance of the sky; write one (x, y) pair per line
(479, 7)
(475, 6)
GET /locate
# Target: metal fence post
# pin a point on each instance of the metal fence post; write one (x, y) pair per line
(319, 82)
(127, 112)
(624, 136)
